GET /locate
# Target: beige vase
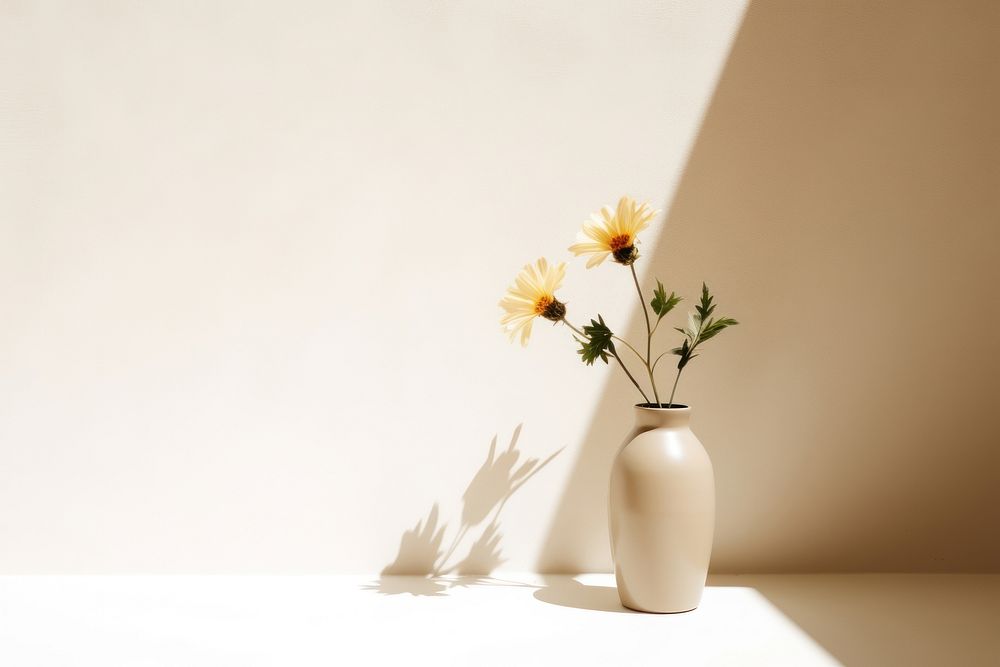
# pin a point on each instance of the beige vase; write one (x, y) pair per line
(662, 513)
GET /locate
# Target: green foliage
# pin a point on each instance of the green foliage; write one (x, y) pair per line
(599, 343)
(661, 303)
(716, 326)
(701, 327)
(706, 307)
(685, 354)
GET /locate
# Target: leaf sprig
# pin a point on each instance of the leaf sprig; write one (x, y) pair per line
(598, 343)
(701, 327)
(661, 303)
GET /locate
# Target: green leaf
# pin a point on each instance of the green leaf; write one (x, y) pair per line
(684, 352)
(661, 303)
(599, 342)
(706, 307)
(714, 327)
(701, 327)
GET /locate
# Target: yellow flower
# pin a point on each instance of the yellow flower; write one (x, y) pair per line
(532, 295)
(613, 233)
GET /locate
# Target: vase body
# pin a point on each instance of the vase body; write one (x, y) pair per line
(662, 513)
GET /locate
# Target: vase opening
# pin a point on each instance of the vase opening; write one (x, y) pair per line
(662, 406)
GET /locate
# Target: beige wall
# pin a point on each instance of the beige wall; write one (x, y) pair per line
(843, 200)
(250, 258)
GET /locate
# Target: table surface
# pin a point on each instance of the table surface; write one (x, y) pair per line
(502, 620)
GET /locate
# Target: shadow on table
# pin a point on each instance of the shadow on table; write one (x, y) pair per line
(889, 619)
(566, 591)
(423, 567)
(559, 590)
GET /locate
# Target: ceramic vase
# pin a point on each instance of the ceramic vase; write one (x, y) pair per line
(662, 513)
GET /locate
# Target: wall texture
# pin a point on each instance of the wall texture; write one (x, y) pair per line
(250, 258)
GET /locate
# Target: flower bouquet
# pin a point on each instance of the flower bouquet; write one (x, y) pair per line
(611, 233)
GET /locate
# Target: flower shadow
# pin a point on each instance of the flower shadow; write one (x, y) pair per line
(419, 548)
(484, 555)
(422, 568)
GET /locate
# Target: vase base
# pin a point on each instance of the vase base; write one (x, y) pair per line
(656, 611)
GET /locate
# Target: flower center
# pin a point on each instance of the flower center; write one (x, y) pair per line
(550, 308)
(621, 241)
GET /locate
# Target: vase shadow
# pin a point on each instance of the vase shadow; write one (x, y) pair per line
(566, 591)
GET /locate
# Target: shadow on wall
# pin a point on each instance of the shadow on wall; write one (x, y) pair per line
(841, 200)
(430, 569)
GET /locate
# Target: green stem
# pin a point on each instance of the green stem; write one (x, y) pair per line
(660, 357)
(626, 344)
(649, 334)
(670, 404)
(622, 364)
(617, 358)
(694, 344)
(566, 322)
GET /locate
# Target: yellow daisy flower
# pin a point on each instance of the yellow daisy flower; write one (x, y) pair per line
(613, 233)
(532, 295)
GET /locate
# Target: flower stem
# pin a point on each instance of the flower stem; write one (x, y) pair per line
(649, 334)
(626, 344)
(617, 358)
(695, 340)
(622, 364)
(670, 404)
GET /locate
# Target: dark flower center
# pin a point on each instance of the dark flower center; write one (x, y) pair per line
(551, 309)
(625, 255)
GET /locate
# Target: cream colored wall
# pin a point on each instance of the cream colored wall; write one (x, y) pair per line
(250, 258)
(252, 255)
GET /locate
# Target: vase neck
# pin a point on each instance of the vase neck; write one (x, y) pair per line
(646, 418)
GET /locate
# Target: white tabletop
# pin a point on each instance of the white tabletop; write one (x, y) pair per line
(504, 620)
